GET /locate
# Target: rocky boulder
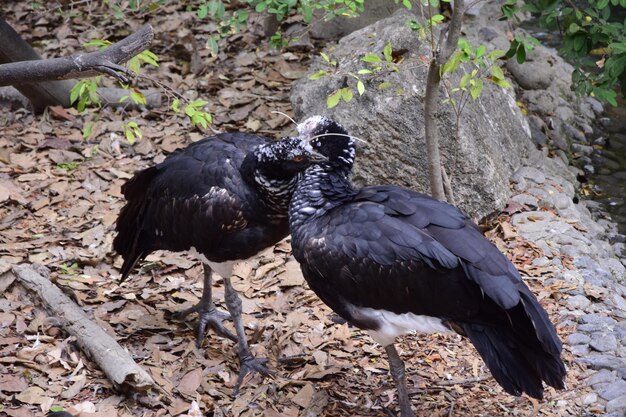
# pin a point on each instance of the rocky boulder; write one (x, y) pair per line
(493, 134)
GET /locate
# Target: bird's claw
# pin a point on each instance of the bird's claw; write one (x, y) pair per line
(213, 319)
(250, 365)
(208, 318)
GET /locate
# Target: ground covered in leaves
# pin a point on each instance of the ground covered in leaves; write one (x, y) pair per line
(60, 196)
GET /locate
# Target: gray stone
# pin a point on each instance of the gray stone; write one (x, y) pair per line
(603, 376)
(564, 113)
(574, 133)
(619, 301)
(537, 136)
(603, 362)
(586, 110)
(582, 149)
(534, 74)
(578, 301)
(540, 101)
(493, 137)
(596, 106)
(559, 141)
(603, 342)
(530, 173)
(487, 34)
(590, 398)
(340, 26)
(598, 318)
(592, 328)
(561, 201)
(614, 390)
(617, 404)
(578, 339)
(580, 350)
(526, 200)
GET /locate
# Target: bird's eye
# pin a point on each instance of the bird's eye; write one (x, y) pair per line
(298, 158)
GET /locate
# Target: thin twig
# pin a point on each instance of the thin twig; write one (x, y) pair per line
(464, 381)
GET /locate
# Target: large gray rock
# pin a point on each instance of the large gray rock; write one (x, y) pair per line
(493, 138)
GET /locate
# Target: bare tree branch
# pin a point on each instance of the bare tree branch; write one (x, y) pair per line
(82, 65)
(431, 100)
(114, 361)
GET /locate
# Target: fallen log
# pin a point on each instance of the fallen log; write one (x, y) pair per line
(44, 81)
(112, 359)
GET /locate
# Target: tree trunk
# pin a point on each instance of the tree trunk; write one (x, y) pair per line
(12, 49)
(22, 66)
(431, 101)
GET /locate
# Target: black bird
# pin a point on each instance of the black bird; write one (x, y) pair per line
(226, 199)
(390, 260)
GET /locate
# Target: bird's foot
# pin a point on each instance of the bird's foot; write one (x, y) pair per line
(209, 317)
(248, 365)
(213, 319)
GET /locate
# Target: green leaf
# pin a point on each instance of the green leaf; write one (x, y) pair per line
(326, 58)
(496, 54)
(364, 71)
(384, 85)
(476, 87)
(438, 18)
(138, 97)
(521, 54)
(407, 4)
(480, 51)
(497, 73)
(307, 14)
(74, 92)
(87, 129)
(346, 94)
(333, 99)
(260, 7)
(319, 74)
(198, 103)
(371, 58)
(202, 11)
(387, 52)
(501, 83)
(360, 87)
(175, 106)
(573, 28)
(56, 408)
(100, 43)
(211, 43)
(465, 80)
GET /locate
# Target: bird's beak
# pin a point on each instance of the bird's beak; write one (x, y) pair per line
(317, 157)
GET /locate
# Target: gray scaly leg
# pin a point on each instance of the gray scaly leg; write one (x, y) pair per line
(209, 316)
(396, 367)
(247, 362)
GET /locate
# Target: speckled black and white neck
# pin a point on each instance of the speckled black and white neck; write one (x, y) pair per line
(325, 185)
(275, 186)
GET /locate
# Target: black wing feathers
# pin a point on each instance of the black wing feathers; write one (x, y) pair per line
(394, 249)
(194, 197)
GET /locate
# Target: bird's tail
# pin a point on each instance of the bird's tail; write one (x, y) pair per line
(523, 354)
(128, 241)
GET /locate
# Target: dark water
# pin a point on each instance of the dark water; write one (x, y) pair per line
(608, 183)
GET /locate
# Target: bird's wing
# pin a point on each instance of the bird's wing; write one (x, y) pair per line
(394, 249)
(193, 198)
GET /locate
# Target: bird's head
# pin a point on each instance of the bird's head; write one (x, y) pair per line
(330, 139)
(285, 158)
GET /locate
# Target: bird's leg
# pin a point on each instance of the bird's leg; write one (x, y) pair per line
(247, 362)
(208, 315)
(396, 367)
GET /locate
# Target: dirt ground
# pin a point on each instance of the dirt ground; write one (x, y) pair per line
(59, 199)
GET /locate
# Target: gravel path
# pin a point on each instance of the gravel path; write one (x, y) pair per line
(595, 304)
